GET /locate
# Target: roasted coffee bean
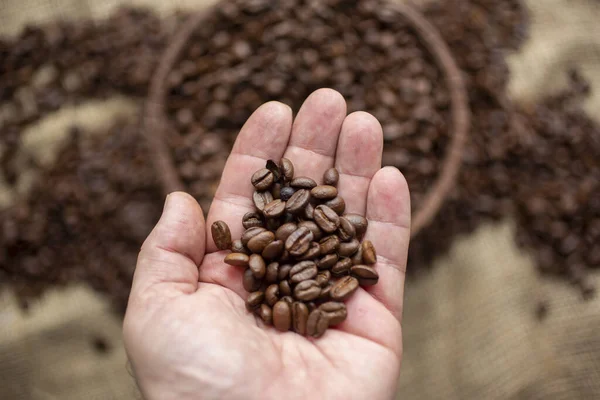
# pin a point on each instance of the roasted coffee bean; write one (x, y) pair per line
(360, 223)
(309, 211)
(287, 169)
(326, 218)
(286, 193)
(273, 250)
(324, 192)
(254, 300)
(328, 261)
(335, 311)
(323, 278)
(366, 275)
(282, 316)
(272, 272)
(314, 228)
(284, 271)
(274, 209)
(347, 249)
(331, 177)
(238, 247)
(346, 231)
(299, 241)
(357, 258)
(299, 317)
(252, 219)
(266, 314)
(288, 299)
(221, 235)
(262, 179)
(337, 204)
(325, 292)
(342, 267)
(250, 233)
(237, 259)
(303, 182)
(298, 201)
(302, 271)
(272, 294)
(368, 252)
(284, 288)
(257, 265)
(317, 323)
(250, 283)
(258, 243)
(329, 244)
(285, 230)
(307, 290)
(344, 288)
(276, 191)
(261, 199)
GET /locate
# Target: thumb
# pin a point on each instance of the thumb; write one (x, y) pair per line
(168, 262)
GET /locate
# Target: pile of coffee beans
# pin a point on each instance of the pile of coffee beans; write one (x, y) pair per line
(302, 255)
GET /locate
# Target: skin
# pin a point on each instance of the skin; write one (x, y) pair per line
(187, 332)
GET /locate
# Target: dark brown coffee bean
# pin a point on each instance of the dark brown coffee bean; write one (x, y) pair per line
(221, 235)
(317, 323)
(250, 283)
(327, 261)
(252, 219)
(357, 258)
(288, 299)
(298, 201)
(272, 272)
(261, 199)
(284, 288)
(360, 223)
(272, 294)
(323, 278)
(273, 250)
(303, 182)
(282, 316)
(276, 191)
(286, 193)
(250, 233)
(331, 177)
(274, 209)
(346, 231)
(262, 179)
(299, 317)
(254, 300)
(238, 247)
(312, 253)
(342, 267)
(299, 241)
(368, 252)
(314, 228)
(309, 211)
(266, 314)
(335, 311)
(326, 218)
(324, 192)
(337, 204)
(257, 265)
(258, 243)
(284, 271)
(287, 169)
(285, 230)
(347, 249)
(344, 288)
(366, 275)
(307, 290)
(325, 292)
(237, 259)
(329, 244)
(302, 271)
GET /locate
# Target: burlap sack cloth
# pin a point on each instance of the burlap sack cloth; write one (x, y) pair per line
(469, 325)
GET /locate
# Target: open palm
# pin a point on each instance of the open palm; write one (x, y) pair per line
(187, 331)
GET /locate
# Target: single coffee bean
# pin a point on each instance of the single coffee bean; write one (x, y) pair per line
(266, 314)
(309, 211)
(276, 190)
(313, 252)
(221, 235)
(299, 241)
(357, 258)
(272, 271)
(317, 323)
(272, 294)
(329, 244)
(254, 300)
(262, 179)
(288, 299)
(344, 288)
(284, 288)
(273, 250)
(324, 192)
(366, 275)
(311, 305)
(250, 233)
(326, 218)
(258, 243)
(303, 182)
(252, 219)
(325, 292)
(237, 259)
(285, 230)
(302, 271)
(261, 199)
(346, 231)
(250, 283)
(342, 267)
(284, 271)
(298, 201)
(273, 224)
(286, 193)
(368, 252)
(328, 261)
(282, 316)
(360, 223)
(307, 290)
(323, 278)
(314, 228)
(335, 311)
(287, 169)
(274, 209)
(257, 265)
(346, 249)
(299, 317)
(238, 247)
(337, 204)
(331, 177)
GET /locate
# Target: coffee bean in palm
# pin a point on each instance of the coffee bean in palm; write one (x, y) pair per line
(327, 261)
(331, 177)
(284, 288)
(326, 218)
(284, 271)
(286, 193)
(274, 209)
(323, 278)
(335, 311)
(314, 228)
(252, 219)
(346, 231)
(337, 204)
(262, 179)
(365, 274)
(250, 233)
(307, 290)
(257, 265)
(347, 249)
(273, 250)
(261, 199)
(272, 294)
(303, 182)
(360, 223)
(357, 258)
(285, 230)
(368, 252)
(272, 271)
(258, 243)
(254, 300)
(317, 323)
(298, 201)
(276, 191)
(250, 283)
(302, 271)
(237, 259)
(238, 247)
(299, 317)
(329, 244)
(221, 235)
(342, 267)
(266, 314)
(287, 169)
(282, 316)
(324, 192)
(344, 288)
(299, 241)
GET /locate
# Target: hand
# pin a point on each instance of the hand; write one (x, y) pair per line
(187, 332)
